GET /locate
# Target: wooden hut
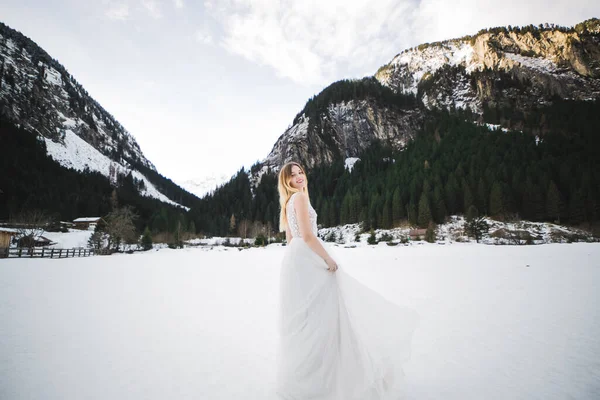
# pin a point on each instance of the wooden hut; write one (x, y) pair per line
(415, 234)
(86, 222)
(6, 234)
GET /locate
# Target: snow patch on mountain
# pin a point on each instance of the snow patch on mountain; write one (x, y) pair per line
(418, 63)
(300, 129)
(349, 163)
(77, 154)
(536, 63)
(52, 76)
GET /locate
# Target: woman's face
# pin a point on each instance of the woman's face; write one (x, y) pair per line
(298, 180)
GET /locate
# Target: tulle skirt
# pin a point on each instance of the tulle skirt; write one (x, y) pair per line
(338, 339)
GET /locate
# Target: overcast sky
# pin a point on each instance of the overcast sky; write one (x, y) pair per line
(207, 87)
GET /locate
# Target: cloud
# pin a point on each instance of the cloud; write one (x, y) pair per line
(178, 4)
(315, 41)
(118, 11)
(436, 20)
(152, 8)
(203, 36)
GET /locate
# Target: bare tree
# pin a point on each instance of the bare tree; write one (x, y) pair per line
(232, 224)
(243, 228)
(257, 228)
(120, 226)
(30, 226)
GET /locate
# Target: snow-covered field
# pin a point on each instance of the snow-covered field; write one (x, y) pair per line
(496, 322)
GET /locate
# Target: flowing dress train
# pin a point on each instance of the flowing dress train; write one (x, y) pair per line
(338, 339)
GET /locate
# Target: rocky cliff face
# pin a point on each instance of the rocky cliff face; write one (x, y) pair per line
(343, 131)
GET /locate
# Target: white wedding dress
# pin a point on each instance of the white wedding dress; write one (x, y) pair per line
(338, 339)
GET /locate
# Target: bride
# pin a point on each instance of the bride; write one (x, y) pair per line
(338, 339)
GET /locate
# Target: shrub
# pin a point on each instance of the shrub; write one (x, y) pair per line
(386, 237)
(372, 239)
(331, 237)
(146, 239)
(430, 233)
(476, 228)
(261, 240)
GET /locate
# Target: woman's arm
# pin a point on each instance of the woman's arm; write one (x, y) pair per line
(301, 206)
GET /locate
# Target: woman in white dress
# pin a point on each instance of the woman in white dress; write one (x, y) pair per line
(338, 339)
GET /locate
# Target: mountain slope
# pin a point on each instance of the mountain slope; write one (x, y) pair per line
(38, 94)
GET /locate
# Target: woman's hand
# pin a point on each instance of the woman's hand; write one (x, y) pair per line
(331, 264)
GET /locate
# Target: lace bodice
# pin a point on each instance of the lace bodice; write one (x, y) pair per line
(292, 219)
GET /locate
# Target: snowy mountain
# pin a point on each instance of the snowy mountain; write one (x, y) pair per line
(501, 67)
(38, 94)
(500, 75)
(204, 186)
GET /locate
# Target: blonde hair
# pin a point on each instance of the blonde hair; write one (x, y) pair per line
(286, 190)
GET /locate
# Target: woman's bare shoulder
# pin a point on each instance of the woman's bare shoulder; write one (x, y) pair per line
(301, 198)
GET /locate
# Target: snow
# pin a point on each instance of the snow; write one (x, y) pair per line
(205, 185)
(76, 153)
(350, 161)
(418, 63)
(53, 76)
(86, 219)
(75, 238)
(536, 63)
(496, 322)
(495, 127)
(299, 130)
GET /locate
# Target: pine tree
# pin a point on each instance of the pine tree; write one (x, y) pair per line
(553, 202)
(424, 210)
(345, 210)
(576, 207)
(430, 233)
(482, 196)
(439, 206)
(374, 213)
(533, 203)
(147, 239)
(452, 193)
(386, 218)
(397, 207)
(476, 228)
(468, 199)
(412, 214)
(472, 213)
(496, 201)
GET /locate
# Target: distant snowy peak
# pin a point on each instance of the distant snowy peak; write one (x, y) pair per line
(205, 185)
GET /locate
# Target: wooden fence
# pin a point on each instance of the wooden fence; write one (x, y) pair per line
(42, 252)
